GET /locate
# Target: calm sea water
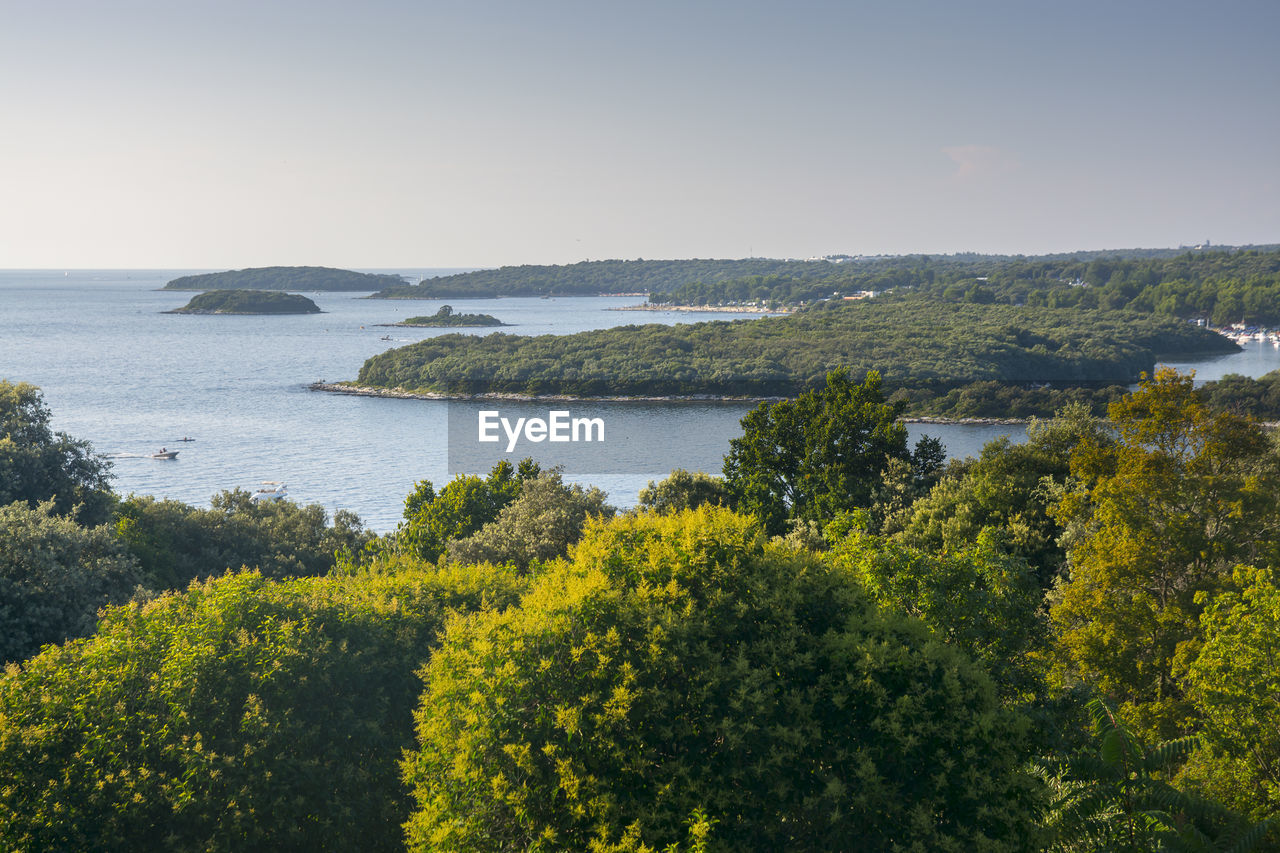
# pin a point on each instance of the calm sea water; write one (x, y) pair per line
(118, 372)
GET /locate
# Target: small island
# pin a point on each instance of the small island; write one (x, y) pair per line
(446, 317)
(286, 278)
(247, 302)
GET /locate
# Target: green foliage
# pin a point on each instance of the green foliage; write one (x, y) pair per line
(784, 356)
(176, 543)
(37, 464)
(540, 524)
(1005, 489)
(1154, 523)
(995, 399)
(247, 302)
(241, 714)
(684, 490)
(679, 666)
(980, 598)
(1235, 684)
(589, 278)
(1259, 398)
(463, 506)
(446, 317)
(285, 278)
(54, 577)
(1221, 286)
(1112, 797)
(816, 456)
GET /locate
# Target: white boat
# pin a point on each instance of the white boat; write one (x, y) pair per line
(162, 453)
(274, 493)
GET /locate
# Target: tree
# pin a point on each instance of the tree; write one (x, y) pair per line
(463, 506)
(539, 525)
(818, 455)
(980, 598)
(176, 543)
(1005, 490)
(1154, 523)
(1234, 683)
(680, 665)
(684, 490)
(54, 577)
(37, 464)
(240, 714)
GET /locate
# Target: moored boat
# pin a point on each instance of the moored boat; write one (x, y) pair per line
(274, 493)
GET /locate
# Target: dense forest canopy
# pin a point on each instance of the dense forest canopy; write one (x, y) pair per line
(247, 302)
(588, 278)
(285, 278)
(1220, 287)
(1223, 284)
(917, 345)
(1066, 645)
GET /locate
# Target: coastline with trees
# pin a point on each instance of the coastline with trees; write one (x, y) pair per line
(1061, 645)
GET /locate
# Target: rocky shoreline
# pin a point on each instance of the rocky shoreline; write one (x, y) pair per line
(398, 394)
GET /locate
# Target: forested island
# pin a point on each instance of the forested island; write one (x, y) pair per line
(448, 318)
(835, 643)
(247, 302)
(285, 278)
(925, 350)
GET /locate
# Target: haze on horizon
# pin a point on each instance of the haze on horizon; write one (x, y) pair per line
(142, 134)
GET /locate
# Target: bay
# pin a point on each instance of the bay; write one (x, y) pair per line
(117, 371)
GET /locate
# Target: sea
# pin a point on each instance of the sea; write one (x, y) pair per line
(119, 372)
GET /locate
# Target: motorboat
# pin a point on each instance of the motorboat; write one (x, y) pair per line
(164, 453)
(275, 492)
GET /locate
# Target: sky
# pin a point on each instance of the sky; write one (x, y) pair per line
(183, 134)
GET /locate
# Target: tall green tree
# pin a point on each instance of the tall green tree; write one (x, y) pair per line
(38, 464)
(463, 506)
(818, 455)
(1154, 523)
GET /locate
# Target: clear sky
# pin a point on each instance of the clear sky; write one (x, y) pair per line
(194, 134)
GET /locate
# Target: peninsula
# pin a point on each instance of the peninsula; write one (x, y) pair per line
(446, 317)
(247, 302)
(943, 359)
(286, 278)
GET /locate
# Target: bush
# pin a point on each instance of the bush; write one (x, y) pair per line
(539, 525)
(678, 670)
(684, 490)
(54, 576)
(176, 543)
(241, 714)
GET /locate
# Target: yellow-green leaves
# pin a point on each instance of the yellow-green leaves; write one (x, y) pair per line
(680, 682)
